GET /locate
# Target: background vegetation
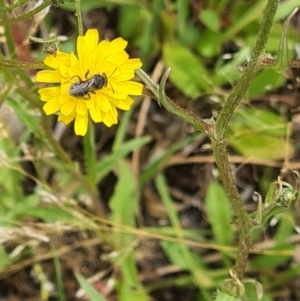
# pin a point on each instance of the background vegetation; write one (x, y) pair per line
(162, 227)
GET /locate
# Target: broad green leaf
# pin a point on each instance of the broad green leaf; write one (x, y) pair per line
(209, 44)
(210, 19)
(265, 262)
(131, 21)
(260, 121)
(89, 289)
(188, 72)
(259, 134)
(285, 8)
(219, 213)
(225, 297)
(266, 80)
(259, 146)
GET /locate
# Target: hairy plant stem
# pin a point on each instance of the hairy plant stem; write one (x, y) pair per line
(27, 15)
(217, 136)
(216, 131)
(21, 64)
(79, 17)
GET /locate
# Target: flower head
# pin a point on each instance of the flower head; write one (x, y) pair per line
(94, 83)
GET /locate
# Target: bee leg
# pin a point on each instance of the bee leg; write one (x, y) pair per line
(86, 74)
(80, 80)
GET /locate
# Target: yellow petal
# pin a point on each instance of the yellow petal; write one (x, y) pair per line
(125, 75)
(51, 107)
(81, 107)
(118, 58)
(66, 119)
(68, 106)
(125, 104)
(118, 44)
(87, 44)
(64, 89)
(64, 70)
(115, 90)
(103, 104)
(110, 118)
(132, 64)
(62, 98)
(49, 93)
(103, 67)
(91, 38)
(132, 87)
(102, 51)
(48, 76)
(55, 61)
(96, 114)
(81, 123)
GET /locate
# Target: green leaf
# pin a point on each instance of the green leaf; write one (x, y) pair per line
(104, 166)
(50, 214)
(219, 213)
(244, 19)
(179, 252)
(156, 165)
(260, 121)
(209, 43)
(123, 205)
(176, 255)
(261, 146)
(188, 72)
(228, 71)
(89, 289)
(28, 117)
(259, 134)
(225, 297)
(267, 79)
(124, 199)
(265, 262)
(4, 259)
(210, 19)
(285, 8)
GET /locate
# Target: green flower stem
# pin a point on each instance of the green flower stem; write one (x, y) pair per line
(27, 15)
(216, 131)
(21, 64)
(219, 143)
(158, 92)
(98, 207)
(90, 154)
(16, 4)
(250, 72)
(79, 17)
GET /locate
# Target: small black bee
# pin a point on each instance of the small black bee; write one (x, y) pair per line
(82, 88)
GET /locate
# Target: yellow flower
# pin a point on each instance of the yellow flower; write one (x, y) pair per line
(94, 83)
